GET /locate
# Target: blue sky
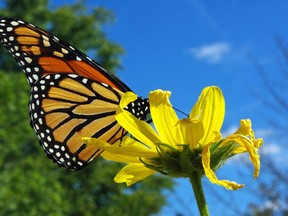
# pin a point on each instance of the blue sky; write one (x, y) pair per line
(183, 46)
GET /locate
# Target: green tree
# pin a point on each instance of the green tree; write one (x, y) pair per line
(30, 184)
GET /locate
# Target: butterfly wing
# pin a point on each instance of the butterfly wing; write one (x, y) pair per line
(71, 95)
(65, 108)
(40, 53)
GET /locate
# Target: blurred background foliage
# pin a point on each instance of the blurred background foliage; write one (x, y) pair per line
(30, 184)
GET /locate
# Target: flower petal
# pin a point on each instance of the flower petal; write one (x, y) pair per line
(192, 131)
(230, 185)
(164, 117)
(139, 129)
(126, 147)
(249, 146)
(119, 158)
(210, 109)
(133, 173)
(245, 128)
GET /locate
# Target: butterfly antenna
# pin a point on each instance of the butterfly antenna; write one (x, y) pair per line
(181, 112)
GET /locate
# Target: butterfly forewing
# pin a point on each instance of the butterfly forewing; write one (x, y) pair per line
(40, 53)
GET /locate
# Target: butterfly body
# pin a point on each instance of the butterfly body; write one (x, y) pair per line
(71, 95)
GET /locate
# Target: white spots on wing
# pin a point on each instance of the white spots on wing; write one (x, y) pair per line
(67, 156)
(89, 58)
(63, 50)
(40, 121)
(55, 39)
(14, 23)
(9, 29)
(73, 75)
(48, 77)
(46, 43)
(45, 144)
(72, 48)
(31, 25)
(49, 138)
(104, 84)
(45, 38)
(57, 76)
(28, 60)
(35, 115)
(35, 77)
(85, 80)
(30, 80)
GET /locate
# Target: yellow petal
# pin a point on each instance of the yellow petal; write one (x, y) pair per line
(192, 132)
(248, 145)
(210, 109)
(164, 117)
(245, 128)
(119, 158)
(126, 147)
(139, 129)
(230, 185)
(257, 142)
(133, 173)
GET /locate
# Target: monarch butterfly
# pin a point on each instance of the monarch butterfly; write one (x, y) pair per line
(71, 95)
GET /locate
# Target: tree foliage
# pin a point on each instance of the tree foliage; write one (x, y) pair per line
(30, 183)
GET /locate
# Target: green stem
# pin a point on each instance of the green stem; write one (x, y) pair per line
(196, 182)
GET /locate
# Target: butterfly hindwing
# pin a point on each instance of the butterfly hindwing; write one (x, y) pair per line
(65, 108)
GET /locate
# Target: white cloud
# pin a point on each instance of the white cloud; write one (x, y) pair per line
(213, 53)
(230, 130)
(271, 149)
(263, 132)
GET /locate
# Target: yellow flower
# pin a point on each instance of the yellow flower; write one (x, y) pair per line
(178, 147)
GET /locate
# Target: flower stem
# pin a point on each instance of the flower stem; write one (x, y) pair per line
(195, 180)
